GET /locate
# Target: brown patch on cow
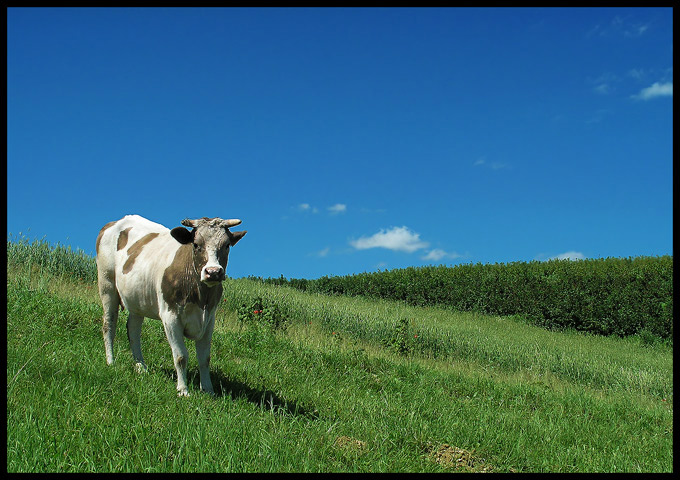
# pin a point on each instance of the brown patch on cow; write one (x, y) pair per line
(136, 249)
(178, 283)
(181, 283)
(123, 238)
(210, 296)
(101, 233)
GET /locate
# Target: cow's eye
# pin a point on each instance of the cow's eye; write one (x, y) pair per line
(197, 247)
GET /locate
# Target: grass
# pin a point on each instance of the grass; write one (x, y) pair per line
(467, 338)
(331, 394)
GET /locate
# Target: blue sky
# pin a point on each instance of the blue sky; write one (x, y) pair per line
(347, 140)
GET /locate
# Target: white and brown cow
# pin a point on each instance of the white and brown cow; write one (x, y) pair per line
(172, 275)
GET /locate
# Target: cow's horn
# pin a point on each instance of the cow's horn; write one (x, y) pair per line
(190, 223)
(232, 223)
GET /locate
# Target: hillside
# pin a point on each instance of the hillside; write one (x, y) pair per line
(322, 383)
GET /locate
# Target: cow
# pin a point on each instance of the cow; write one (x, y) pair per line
(170, 275)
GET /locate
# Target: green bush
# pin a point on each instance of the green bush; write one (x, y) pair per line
(401, 340)
(612, 296)
(258, 312)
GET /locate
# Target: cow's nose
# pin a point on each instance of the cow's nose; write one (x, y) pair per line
(214, 273)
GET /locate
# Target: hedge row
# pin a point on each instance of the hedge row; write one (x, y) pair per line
(612, 296)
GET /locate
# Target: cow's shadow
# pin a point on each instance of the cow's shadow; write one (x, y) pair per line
(263, 398)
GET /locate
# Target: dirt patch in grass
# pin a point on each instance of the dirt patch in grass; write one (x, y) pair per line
(459, 459)
(350, 444)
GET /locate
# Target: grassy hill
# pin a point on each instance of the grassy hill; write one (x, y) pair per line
(348, 385)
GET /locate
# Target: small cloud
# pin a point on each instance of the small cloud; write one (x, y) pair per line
(306, 207)
(655, 90)
(605, 83)
(636, 30)
(597, 116)
(596, 30)
(569, 256)
(620, 26)
(437, 254)
(399, 239)
(323, 253)
(603, 89)
(482, 162)
(636, 73)
(337, 208)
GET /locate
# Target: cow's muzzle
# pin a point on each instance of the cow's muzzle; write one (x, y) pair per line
(213, 274)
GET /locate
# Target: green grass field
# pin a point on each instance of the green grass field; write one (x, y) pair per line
(351, 385)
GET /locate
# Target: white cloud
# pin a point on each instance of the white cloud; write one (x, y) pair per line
(437, 254)
(569, 256)
(323, 253)
(605, 83)
(481, 162)
(636, 73)
(333, 210)
(399, 239)
(306, 207)
(640, 29)
(620, 26)
(598, 116)
(656, 90)
(338, 208)
(603, 89)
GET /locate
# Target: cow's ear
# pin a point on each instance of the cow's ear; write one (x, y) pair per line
(236, 236)
(182, 235)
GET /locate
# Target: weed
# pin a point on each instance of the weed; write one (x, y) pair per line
(256, 311)
(402, 337)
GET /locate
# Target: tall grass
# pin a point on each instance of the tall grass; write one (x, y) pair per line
(332, 393)
(499, 342)
(53, 259)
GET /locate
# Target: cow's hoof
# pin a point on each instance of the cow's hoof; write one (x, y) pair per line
(183, 393)
(140, 368)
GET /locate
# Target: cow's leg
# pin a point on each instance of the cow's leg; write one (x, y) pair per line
(203, 355)
(110, 303)
(175, 334)
(134, 331)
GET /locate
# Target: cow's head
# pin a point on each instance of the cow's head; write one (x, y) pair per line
(210, 239)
